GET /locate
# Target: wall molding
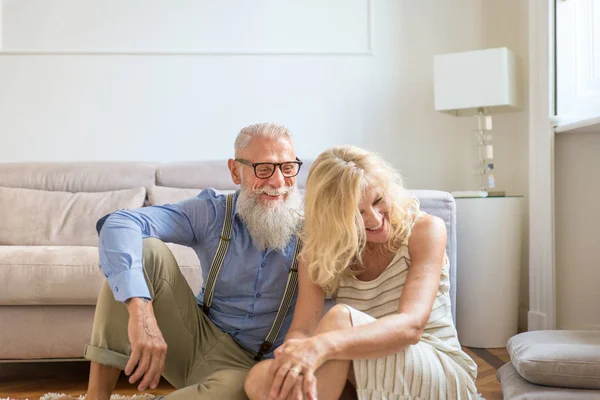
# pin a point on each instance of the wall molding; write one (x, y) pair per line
(542, 293)
(55, 52)
(201, 52)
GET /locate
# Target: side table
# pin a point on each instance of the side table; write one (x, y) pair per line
(489, 234)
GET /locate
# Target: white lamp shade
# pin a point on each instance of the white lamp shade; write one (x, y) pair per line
(466, 81)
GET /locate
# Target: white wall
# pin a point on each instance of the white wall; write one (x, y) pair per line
(577, 167)
(183, 107)
(1, 24)
(226, 27)
(507, 25)
(169, 107)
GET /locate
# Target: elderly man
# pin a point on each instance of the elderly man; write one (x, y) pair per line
(149, 323)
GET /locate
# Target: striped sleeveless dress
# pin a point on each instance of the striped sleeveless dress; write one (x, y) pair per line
(434, 368)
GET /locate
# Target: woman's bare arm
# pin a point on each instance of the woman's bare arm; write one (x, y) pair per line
(392, 333)
(309, 306)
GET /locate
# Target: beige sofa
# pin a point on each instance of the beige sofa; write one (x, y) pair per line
(49, 270)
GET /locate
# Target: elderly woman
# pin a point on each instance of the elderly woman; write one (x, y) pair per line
(391, 334)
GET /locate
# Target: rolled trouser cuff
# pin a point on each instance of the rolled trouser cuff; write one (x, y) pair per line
(105, 357)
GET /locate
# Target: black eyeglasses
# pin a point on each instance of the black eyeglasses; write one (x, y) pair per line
(265, 170)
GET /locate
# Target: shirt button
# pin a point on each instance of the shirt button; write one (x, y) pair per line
(116, 288)
(263, 265)
(250, 315)
(258, 295)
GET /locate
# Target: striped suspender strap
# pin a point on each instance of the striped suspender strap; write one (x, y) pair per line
(290, 290)
(217, 262)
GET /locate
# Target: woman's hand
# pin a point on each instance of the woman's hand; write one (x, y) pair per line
(297, 393)
(296, 359)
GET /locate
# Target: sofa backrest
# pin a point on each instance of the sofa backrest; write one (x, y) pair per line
(77, 176)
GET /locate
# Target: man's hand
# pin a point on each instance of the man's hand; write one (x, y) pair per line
(148, 348)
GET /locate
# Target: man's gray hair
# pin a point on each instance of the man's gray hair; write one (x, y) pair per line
(266, 129)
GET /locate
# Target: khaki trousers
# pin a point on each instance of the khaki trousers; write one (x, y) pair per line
(202, 361)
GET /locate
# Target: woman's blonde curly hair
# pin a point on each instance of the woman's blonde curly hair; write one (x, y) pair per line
(334, 233)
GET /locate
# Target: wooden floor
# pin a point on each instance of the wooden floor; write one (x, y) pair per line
(32, 380)
(488, 361)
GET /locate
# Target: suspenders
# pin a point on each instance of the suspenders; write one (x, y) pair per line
(290, 289)
(215, 268)
(217, 262)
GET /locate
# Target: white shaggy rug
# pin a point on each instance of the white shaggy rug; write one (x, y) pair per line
(54, 396)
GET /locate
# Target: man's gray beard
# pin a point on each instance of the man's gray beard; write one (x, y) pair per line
(270, 227)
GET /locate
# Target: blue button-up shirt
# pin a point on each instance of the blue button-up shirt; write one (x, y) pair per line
(249, 287)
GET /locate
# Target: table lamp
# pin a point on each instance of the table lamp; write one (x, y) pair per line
(477, 83)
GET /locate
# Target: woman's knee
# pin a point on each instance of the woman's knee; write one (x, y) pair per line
(250, 385)
(338, 317)
(258, 382)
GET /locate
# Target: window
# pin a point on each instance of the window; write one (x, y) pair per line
(577, 60)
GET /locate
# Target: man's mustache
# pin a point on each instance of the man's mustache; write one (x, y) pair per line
(271, 191)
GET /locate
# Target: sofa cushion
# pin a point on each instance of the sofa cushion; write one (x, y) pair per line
(189, 264)
(569, 359)
(39, 217)
(196, 174)
(158, 195)
(49, 275)
(67, 275)
(514, 387)
(77, 176)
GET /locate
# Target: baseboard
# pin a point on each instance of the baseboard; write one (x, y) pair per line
(536, 321)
